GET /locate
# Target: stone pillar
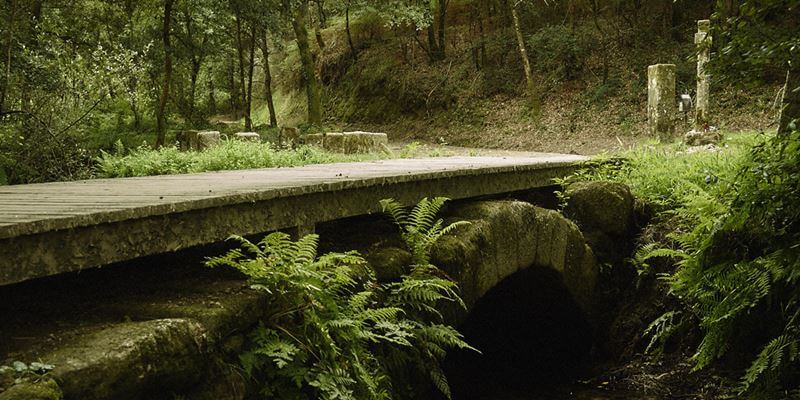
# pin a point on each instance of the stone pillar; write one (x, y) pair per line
(207, 139)
(661, 101)
(702, 40)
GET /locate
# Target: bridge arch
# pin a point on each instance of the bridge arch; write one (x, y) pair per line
(528, 280)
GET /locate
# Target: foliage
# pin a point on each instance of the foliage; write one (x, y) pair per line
(558, 51)
(736, 242)
(228, 155)
(757, 39)
(337, 333)
(19, 371)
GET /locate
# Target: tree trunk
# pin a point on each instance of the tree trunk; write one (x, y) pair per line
(248, 116)
(273, 119)
(442, 27)
(240, 52)
(212, 99)
(349, 36)
(161, 123)
(7, 72)
(312, 85)
(481, 16)
(526, 64)
(790, 110)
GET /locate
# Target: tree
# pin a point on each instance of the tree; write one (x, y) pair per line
(162, 105)
(298, 13)
(530, 84)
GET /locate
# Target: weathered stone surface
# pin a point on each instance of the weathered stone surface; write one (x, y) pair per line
(46, 389)
(350, 142)
(702, 137)
(129, 359)
(702, 41)
(507, 236)
(187, 140)
(389, 262)
(289, 136)
(207, 139)
(174, 212)
(603, 206)
(661, 101)
(247, 136)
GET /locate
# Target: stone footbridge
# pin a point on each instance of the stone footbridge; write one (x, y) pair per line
(51, 228)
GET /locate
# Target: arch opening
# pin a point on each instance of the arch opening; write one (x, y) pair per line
(532, 335)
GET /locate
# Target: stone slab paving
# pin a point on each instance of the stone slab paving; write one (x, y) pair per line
(50, 228)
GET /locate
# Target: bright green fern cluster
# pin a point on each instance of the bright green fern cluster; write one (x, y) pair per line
(335, 332)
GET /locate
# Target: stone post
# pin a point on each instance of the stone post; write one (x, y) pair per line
(702, 40)
(661, 101)
(207, 139)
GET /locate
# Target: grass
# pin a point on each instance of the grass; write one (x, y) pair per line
(228, 155)
(671, 176)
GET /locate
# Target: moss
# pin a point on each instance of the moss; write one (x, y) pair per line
(45, 389)
(603, 206)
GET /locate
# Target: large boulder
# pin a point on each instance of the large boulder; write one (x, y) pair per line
(44, 389)
(603, 206)
(207, 139)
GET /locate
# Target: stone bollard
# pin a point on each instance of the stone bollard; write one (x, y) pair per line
(248, 137)
(702, 40)
(661, 101)
(187, 140)
(207, 139)
(289, 137)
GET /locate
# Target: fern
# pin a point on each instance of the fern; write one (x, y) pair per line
(736, 243)
(337, 333)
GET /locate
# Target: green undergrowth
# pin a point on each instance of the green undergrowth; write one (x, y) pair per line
(334, 330)
(731, 227)
(228, 155)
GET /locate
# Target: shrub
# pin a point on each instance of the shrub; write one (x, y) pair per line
(736, 243)
(557, 50)
(337, 333)
(228, 155)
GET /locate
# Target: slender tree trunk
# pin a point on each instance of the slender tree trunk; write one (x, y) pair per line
(161, 123)
(349, 35)
(273, 119)
(526, 64)
(481, 16)
(240, 52)
(442, 27)
(7, 72)
(248, 116)
(313, 93)
(790, 110)
(212, 99)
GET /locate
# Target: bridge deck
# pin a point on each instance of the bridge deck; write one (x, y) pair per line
(51, 228)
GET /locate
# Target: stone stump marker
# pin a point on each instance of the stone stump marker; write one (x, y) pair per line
(207, 139)
(187, 140)
(248, 136)
(702, 40)
(661, 101)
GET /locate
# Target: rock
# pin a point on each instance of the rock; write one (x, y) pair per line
(603, 206)
(131, 359)
(350, 142)
(703, 137)
(248, 136)
(207, 139)
(289, 136)
(187, 140)
(45, 389)
(389, 263)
